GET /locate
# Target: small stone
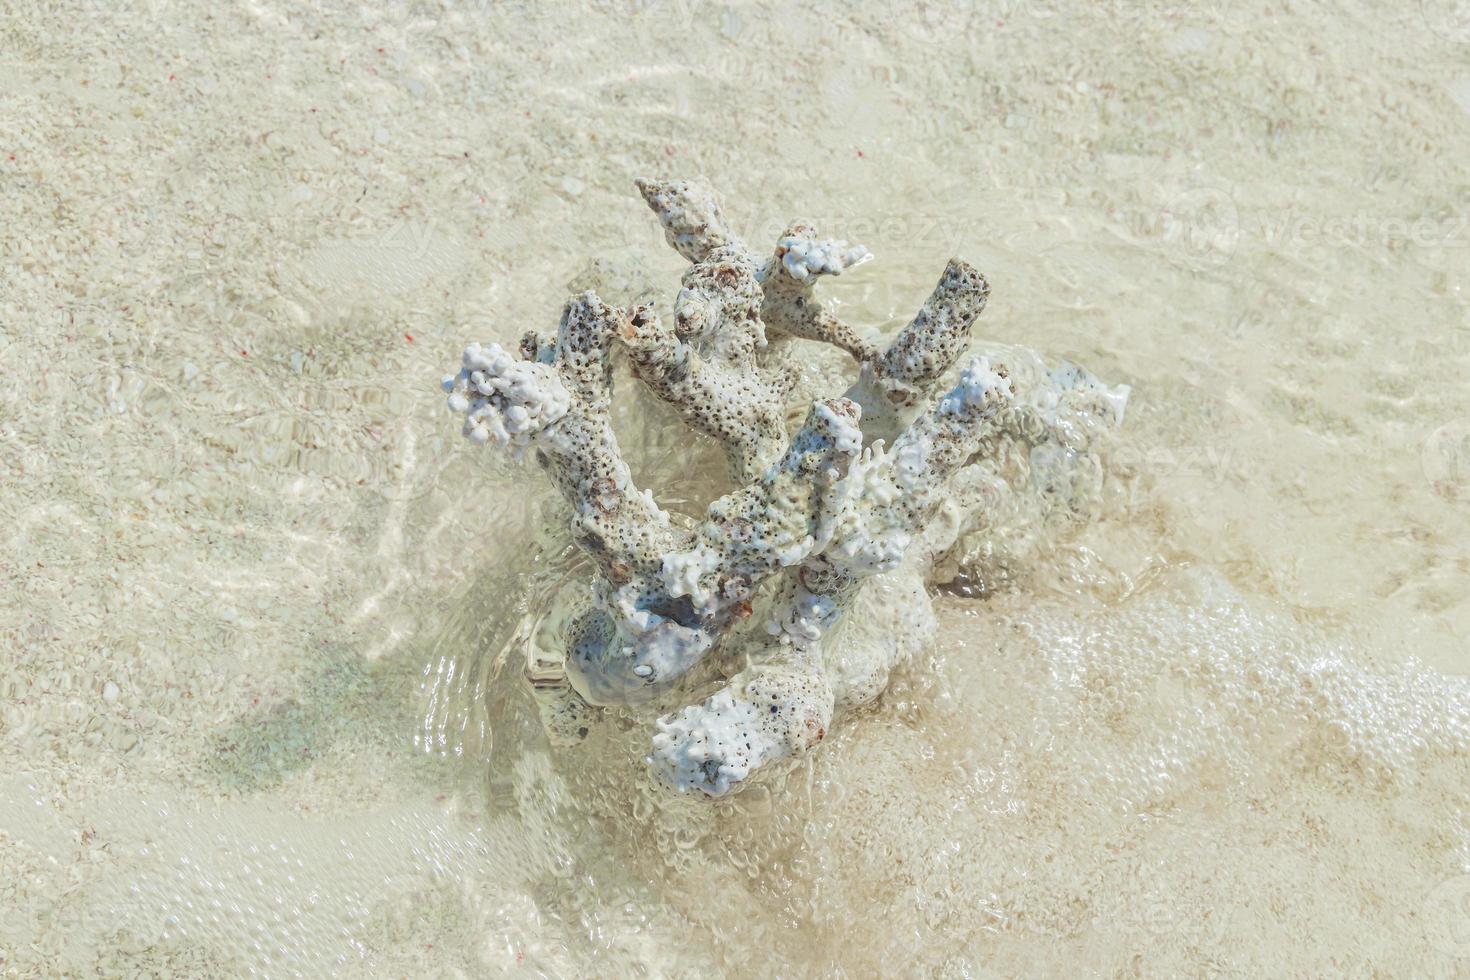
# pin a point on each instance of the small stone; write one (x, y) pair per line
(110, 692)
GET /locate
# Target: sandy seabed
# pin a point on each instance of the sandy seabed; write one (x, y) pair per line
(262, 607)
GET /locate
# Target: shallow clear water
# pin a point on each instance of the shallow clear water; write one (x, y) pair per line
(260, 708)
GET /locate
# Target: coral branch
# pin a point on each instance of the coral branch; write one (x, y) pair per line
(695, 226)
(895, 386)
(790, 306)
(705, 366)
(561, 409)
(652, 630)
(764, 588)
(690, 213)
(771, 524)
(783, 704)
(770, 711)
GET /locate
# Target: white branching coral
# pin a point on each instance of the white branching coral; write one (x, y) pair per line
(844, 514)
(804, 257)
(504, 400)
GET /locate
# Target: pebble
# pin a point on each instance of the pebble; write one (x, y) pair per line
(110, 692)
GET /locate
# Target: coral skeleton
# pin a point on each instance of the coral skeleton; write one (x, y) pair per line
(801, 589)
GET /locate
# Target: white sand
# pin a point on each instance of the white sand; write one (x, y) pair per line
(249, 694)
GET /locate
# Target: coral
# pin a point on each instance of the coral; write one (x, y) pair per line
(847, 513)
